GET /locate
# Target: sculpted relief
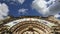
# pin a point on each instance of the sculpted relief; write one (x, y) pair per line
(30, 26)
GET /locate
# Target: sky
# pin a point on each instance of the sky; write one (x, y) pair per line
(18, 8)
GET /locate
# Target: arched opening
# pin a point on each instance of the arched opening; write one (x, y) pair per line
(30, 27)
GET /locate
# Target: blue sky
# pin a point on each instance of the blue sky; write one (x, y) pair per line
(18, 8)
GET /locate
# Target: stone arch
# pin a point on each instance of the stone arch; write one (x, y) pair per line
(29, 26)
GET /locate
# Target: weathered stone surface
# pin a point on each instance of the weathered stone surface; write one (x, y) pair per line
(30, 27)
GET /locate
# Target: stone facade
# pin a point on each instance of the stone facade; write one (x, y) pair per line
(31, 25)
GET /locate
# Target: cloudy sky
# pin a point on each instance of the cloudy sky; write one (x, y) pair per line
(18, 8)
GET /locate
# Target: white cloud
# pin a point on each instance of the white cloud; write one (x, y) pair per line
(3, 11)
(21, 1)
(51, 1)
(22, 10)
(57, 16)
(41, 7)
(55, 8)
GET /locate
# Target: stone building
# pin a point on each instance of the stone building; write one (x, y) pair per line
(30, 25)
